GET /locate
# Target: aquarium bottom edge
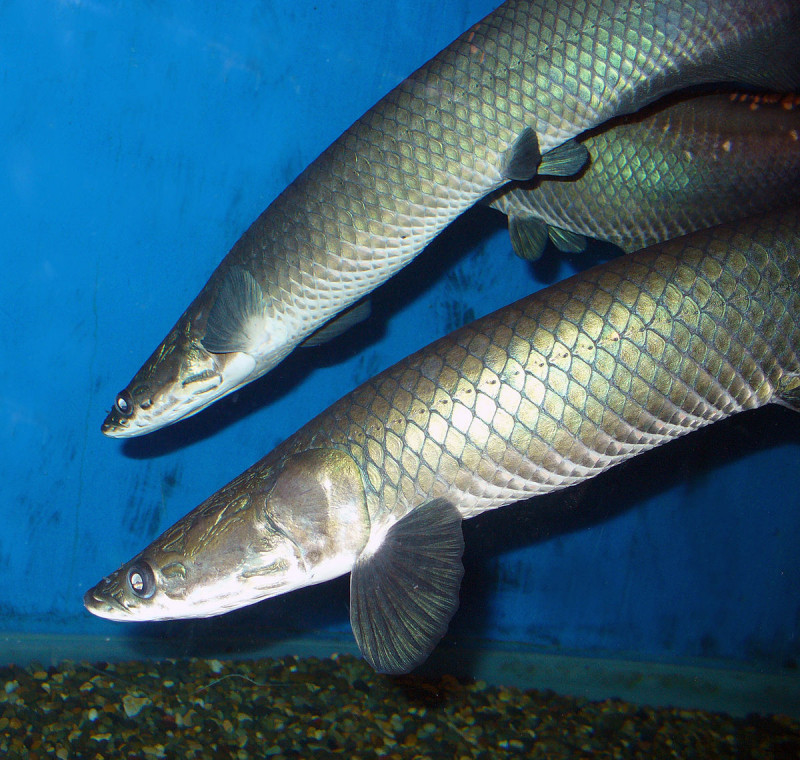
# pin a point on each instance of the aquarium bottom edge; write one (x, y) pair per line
(711, 685)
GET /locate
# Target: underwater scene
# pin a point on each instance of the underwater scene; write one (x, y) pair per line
(341, 343)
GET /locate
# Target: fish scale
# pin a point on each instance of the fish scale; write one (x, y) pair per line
(430, 149)
(576, 378)
(668, 171)
(428, 159)
(538, 396)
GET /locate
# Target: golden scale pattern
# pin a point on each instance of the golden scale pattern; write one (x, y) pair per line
(557, 387)
(692, 166)
(436, 144)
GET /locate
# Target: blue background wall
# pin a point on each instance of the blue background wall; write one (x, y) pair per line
(137, 142)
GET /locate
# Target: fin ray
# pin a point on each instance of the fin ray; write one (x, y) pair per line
(403, 595)
(524, 157)
(239, 302)
(340, 324)
(565, 160)
(788, 391)
(567, 241)
(528, 236)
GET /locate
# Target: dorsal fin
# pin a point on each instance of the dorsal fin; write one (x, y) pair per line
(523, 157)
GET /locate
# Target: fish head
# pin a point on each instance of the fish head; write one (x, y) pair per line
(275, 528)
(178, 380)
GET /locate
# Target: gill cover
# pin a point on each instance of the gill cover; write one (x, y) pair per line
(318, 503)
(279, 526)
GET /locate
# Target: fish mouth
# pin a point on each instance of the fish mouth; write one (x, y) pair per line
(116, 426)
(142, 420)
(102, 601)
(180, 400)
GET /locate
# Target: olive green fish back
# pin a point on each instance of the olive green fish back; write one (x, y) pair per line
(669, 171)
(501, 102)
(440, 140)
(565, 383)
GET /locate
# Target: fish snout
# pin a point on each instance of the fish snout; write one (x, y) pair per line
(105, 600)
(114, 426)
(121, 421)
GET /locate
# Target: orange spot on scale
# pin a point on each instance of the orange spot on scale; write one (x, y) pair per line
(475, 50)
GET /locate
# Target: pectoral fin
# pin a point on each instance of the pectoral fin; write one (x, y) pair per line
(566, 241)
(525, 160)
(235, 321)
(404, 591)
(339, 324)
(528, 236)
(788, 391)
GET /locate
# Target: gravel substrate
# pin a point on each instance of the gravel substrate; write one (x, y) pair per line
(337, 707)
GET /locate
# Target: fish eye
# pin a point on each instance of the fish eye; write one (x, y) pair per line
(124, 404)
(142, 580)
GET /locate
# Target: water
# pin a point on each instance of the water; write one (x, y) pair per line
(138, 142)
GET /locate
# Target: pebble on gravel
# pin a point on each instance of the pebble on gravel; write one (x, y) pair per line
(338, 707)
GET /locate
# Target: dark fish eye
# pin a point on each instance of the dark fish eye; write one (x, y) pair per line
(124, 404)
(142, 580)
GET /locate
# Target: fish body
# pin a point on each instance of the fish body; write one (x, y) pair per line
(502, 102)
(540, 395)
(663, 173)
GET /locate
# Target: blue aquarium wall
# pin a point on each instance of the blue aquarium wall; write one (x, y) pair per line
(137, 142)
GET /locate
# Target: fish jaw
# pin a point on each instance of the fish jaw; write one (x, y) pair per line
(147, 588)
(164, 391)
(286, 523)
(186, 374)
